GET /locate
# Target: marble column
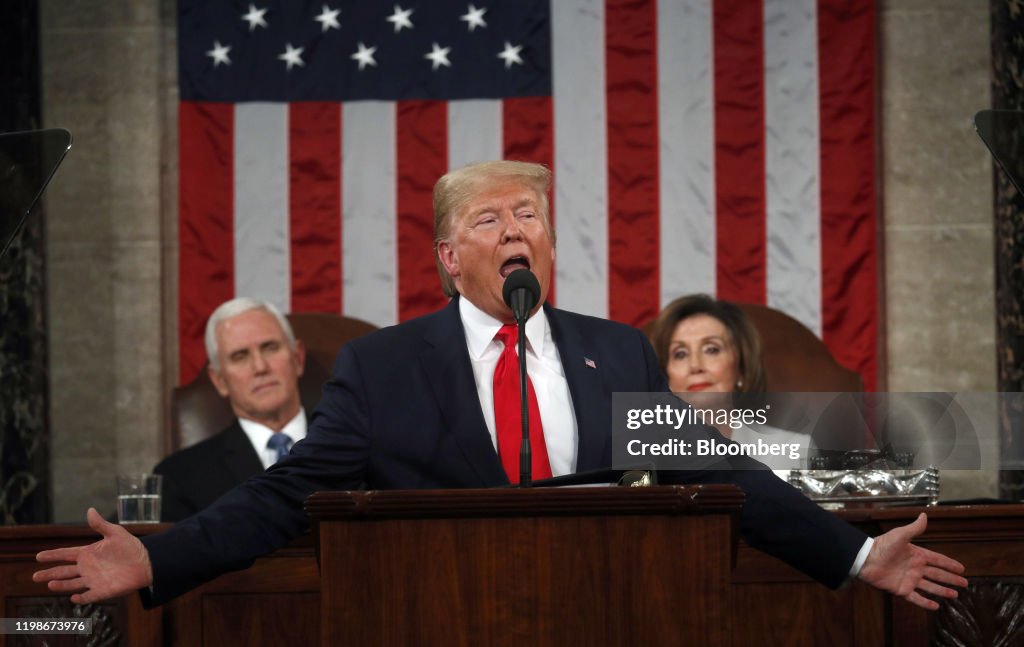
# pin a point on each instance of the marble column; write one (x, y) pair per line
(1008, 94)
(103, 74)
(23, 398)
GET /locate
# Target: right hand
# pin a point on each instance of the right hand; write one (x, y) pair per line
(114, 566)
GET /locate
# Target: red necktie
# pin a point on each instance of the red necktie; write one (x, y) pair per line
(507, 416)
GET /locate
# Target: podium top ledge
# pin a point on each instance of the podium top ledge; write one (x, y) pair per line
(509, 502)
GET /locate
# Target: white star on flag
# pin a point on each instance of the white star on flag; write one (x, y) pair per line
(328, 19)
(439, 56)
(511, 54)
(292, 56)
(474, 17)
(219, 53)
(400, 18)
(255, 17)
(364, 56)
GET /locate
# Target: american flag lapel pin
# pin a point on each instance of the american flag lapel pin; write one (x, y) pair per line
(589, 362)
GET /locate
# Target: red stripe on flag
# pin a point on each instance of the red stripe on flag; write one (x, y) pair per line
(314, 203)
(739, 150)
(206, 274)
(422, 152)
(631, 51)
(529, 135)
(849, 253)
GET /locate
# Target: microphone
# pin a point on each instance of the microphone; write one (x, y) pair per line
(521, 292)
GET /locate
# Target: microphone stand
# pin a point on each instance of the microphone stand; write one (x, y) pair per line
(521, 293)
(525, 459)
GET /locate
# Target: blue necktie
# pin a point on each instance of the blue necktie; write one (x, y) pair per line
(280, 442)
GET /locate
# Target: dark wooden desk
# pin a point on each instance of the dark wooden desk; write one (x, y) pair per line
(274, 602)
(989, 540)
(277, 600)
(779, 606)
(117, 622)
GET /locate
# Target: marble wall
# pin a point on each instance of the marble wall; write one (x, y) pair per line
(103, 65)
(108, 75)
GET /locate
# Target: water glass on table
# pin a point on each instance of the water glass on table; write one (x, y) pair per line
(138, 498)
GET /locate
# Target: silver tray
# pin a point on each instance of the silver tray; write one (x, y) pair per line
(888, 486)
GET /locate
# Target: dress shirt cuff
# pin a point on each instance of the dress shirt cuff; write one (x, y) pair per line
(862, 556)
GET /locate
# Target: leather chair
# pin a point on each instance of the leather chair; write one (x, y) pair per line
(198, 411)
(795, 360)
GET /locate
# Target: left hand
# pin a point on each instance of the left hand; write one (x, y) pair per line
(901, 568)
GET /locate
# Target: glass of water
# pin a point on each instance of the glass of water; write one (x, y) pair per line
(138, 498)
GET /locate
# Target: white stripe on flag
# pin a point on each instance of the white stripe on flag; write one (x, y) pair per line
(686, 132)
(262, 242)
(581, 151)
(793, 191)
(474, 131)
(368, 229)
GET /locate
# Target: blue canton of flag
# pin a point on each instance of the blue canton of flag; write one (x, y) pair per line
(356, 50)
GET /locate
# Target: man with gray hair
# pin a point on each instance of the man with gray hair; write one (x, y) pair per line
(255, 362)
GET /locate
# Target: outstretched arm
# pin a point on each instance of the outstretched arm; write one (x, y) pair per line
(901, 568)
(115, 565)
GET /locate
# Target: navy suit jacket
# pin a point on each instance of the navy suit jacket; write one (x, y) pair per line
(197, 476)
(401, 412)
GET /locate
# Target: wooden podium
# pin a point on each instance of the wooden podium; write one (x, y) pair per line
(547, 566)
(277, 600)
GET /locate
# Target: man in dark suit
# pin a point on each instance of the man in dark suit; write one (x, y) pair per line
(418, 406)
(255, 362)
(196, 476)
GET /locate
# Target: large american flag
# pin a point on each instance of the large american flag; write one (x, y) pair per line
(720, 146)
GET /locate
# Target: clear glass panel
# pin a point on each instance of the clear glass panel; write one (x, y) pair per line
(27, 162)
(1003, 133)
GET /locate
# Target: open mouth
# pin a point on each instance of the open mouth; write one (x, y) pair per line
(513, 264)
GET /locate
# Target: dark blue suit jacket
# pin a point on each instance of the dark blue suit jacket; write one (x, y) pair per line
(198, 475)
(401, 412)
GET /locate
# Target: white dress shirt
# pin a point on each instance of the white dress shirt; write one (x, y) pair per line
(544, 367)
(259, 435)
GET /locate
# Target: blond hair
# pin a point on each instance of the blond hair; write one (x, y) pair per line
(457, 188)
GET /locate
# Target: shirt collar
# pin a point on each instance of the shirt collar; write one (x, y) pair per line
(481, 328)
(259, 433)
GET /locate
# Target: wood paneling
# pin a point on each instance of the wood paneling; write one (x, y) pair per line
(576, 558)
(593, 566)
